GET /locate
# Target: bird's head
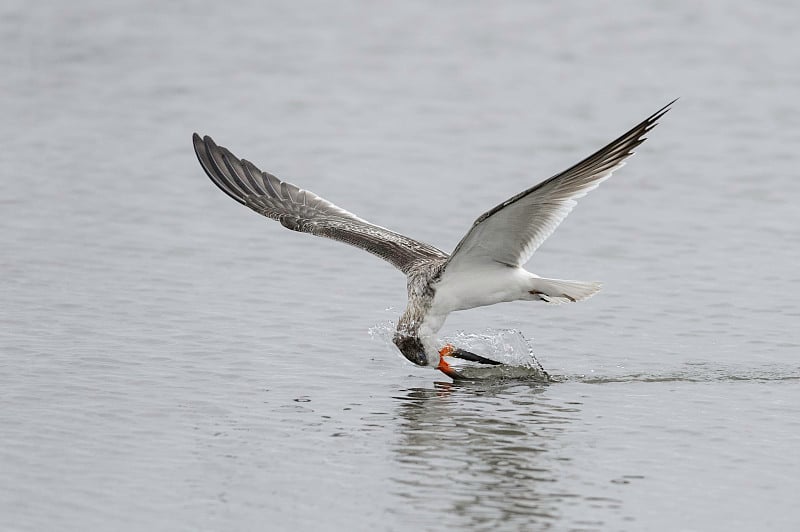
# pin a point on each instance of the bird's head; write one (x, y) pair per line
(412, 348)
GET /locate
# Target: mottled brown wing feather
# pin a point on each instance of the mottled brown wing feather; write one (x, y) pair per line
(304, 211)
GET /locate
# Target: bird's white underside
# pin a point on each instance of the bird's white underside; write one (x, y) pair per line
(489, 284)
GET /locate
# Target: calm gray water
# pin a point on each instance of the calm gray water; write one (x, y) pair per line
(171, 361)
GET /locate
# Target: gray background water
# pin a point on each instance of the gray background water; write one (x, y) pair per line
(171, 361)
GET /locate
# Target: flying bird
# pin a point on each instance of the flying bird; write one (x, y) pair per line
(485, 267)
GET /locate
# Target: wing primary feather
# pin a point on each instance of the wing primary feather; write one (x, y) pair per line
(256, 183)
(217, 157)
(203, 152)
(240, 181)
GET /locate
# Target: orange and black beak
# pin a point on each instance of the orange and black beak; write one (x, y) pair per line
(456, 352)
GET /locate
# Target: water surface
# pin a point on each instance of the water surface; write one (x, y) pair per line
(172, 361)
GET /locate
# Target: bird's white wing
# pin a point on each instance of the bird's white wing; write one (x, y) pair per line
(511, 232)
(304, 211)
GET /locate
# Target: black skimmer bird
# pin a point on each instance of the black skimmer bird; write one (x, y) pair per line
(485, 268)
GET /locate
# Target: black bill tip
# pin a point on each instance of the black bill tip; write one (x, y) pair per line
(472, 357)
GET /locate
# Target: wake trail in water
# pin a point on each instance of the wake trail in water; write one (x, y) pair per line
(692, 373)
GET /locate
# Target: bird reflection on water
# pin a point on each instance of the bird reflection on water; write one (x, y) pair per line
(482, 454)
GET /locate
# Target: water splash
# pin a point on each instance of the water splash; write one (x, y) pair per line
(383, 332)
(507, 346)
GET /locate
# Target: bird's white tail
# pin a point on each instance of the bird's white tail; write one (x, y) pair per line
(559, 291)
